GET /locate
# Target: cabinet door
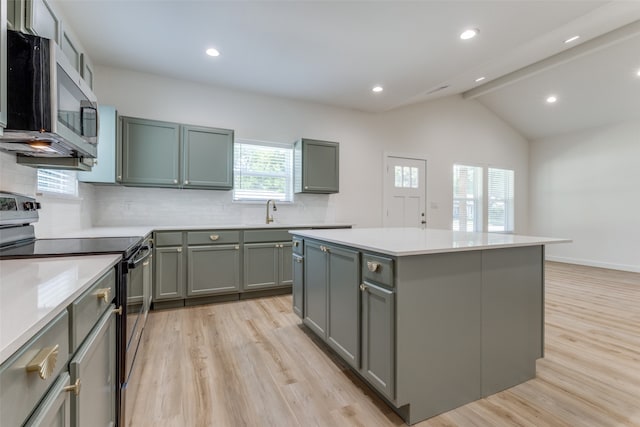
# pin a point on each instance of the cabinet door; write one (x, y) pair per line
(318, 169)
(315, 288)
(168, 283)
(71, 50)
(343, 298)
(104, 171)
(213, 270)
(207, 157)
(95, 366)
(3, 65)
(298, 288)
(260, 265)
(378, 338)
(55, 408)
(150, 152)
(39, 19)
(285, 267)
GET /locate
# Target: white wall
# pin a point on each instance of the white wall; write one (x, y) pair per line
(443, 131)
(58, 216)
(585, 186)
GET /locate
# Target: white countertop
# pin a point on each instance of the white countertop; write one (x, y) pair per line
(34, 291)
(417, 241)
(145, 230)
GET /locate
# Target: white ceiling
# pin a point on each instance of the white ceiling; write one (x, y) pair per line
(334, 52)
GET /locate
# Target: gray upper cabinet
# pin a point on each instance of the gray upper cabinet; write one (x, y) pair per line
(3, 65)
(150, 152)
(86, 70)
(207, 157)
(316, 166)
(35, 17)
(106, 167)
(71, 50)
(163, 154)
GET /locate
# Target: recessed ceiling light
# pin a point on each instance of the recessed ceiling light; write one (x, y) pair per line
(638, 73)
(213, 52)
(551, 99)
(479, 79)
(469, 34)
(377, 89)
(572, 39)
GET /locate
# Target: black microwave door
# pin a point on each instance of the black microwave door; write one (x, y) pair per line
(28, 82)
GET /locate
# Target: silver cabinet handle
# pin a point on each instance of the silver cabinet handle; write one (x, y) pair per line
(298, 259)
(373, 266)
(179, 250)
(296, 243)
(363, 287)
(214, 237)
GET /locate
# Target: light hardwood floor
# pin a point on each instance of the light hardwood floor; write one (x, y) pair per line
(250, 363)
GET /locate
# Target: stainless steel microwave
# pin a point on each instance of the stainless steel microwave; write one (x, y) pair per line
(51, 111)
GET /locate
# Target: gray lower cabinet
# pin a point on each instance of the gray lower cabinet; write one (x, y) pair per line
(150, 152)
(267, 265)
(213, 269)
(378, 337)
(168, 282)
(55, 408)
(316, 166)
(298, 285)
(94, 368)
(331, 297)
(207, 155)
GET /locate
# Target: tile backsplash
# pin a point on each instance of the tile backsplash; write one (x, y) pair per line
(123, 206)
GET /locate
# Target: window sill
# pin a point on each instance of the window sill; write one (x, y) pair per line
(59, 197)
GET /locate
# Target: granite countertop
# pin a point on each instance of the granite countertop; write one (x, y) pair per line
(34, 291)
(417, 241)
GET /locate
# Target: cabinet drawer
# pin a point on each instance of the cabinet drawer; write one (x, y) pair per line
(377, 269)
(259, 236)
(212, 237)
(169, 238)
(21, 390)
(86, 310)
(297, 245)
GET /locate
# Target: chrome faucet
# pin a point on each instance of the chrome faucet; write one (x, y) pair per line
(275, 208)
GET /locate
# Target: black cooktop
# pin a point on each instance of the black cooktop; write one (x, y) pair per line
(41, 248)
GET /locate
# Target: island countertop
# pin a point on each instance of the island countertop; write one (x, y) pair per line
(34, 291)
(418, 241)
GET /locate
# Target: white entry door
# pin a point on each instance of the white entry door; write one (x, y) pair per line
(405, 192)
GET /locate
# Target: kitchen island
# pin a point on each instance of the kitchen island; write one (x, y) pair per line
(431, 319)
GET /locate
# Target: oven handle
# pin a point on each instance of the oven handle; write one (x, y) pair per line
(142, 254)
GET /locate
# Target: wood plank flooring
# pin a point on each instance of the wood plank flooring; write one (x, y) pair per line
(251, 363)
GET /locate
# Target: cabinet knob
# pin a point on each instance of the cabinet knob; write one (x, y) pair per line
(179, 250)
(363, 287)
(75, 387)
(103, 294)
(45, 362)
(296, 243)
(298, 259)
(186, 181)
(118, 310)
(175, 181)
(306, 187)
(373, 266)
(214, 237)
(237, 247)
(119, 177)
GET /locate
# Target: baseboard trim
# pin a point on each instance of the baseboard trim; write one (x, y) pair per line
(591, 263)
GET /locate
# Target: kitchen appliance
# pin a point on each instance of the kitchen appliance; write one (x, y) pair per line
(51, 111)
(17, 240)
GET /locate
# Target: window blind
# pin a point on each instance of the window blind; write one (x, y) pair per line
(262, 171)
(57, 182)
(467, 198)
(500, 197)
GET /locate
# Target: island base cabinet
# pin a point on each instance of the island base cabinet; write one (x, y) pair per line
(94, 367)
(298, 288)
(213, 270)
(315, 292)
(378, 338)
(55, 408)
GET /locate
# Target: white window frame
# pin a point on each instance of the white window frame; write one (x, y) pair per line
(288, 174)
(478, 199)
(508, 201)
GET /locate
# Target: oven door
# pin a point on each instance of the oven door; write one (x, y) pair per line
(137, 306)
